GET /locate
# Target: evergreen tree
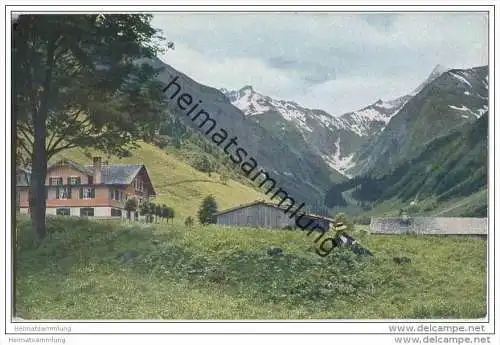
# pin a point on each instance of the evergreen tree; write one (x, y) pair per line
(208, 208)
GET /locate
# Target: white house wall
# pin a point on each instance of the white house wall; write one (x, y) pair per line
(75, 211)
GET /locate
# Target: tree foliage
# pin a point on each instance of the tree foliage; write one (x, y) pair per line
(203, 163)
(147, 209)
(81, 81)
(130, 206)
(342, 218)
(207, 210)
(189, 221)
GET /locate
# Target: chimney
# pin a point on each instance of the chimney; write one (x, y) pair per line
(97, 170)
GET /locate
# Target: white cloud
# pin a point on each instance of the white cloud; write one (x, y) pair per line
(230, 73)
(331, 61)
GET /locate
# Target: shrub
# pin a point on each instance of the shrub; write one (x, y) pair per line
(342, 218)
(189, 221)
(223, 178)
(131, 206)
(204, 164)
(208, 208)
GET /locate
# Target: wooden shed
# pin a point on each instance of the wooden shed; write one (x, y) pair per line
(444, 226)
(265, 214)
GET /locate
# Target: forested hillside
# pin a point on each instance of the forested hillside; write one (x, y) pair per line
(455, 98)
(451, 166)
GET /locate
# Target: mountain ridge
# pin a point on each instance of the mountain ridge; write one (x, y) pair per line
(447, 102)
(342, 141)
(297, 169)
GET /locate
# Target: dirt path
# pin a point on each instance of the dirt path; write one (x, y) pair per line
(453, 207)
(191, 181)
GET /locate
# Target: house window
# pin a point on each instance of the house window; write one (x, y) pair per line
(138, 184)
(63, 211)
(87, 212)
(116, 212)
(91, 179)
(116, 194)
(87, 193)
(63, 193)
(74, 180)
(56, 181)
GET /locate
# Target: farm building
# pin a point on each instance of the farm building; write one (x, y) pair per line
(446, 226)
(269, 215)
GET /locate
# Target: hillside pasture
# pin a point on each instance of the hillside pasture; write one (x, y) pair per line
(100, 270)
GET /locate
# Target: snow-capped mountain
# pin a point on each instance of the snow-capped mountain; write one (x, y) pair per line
(301, 171)
(360, 122)
(345, 141)
(455, 98)
(334, 138)
(436, 72)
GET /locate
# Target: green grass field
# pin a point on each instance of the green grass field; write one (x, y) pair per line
(225, 273)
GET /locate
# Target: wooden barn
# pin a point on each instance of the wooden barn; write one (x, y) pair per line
(444, 226)
(265, 214)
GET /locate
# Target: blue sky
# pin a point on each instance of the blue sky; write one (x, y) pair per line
(337, 62)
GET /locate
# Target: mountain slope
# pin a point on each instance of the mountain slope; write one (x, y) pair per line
(342, 141)
(452, 166)
(296, 169)
(455, 98)
(335, 139)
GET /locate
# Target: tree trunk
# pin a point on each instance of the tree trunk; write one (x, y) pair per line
(38, 174)
(39, 159)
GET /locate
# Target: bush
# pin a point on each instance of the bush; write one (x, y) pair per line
(342, 218)
(131, 206)
(208, 208)
(223, 178)
(189, 221)
(204, 164)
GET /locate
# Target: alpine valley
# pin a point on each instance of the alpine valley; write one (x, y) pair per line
(425, 151)
(431, 144)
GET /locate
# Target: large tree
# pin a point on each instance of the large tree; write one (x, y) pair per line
(81, 81)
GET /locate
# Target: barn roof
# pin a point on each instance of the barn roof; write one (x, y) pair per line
(270, 204)
(430, 226)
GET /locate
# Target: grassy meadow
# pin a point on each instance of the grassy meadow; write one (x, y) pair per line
(80, 272)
